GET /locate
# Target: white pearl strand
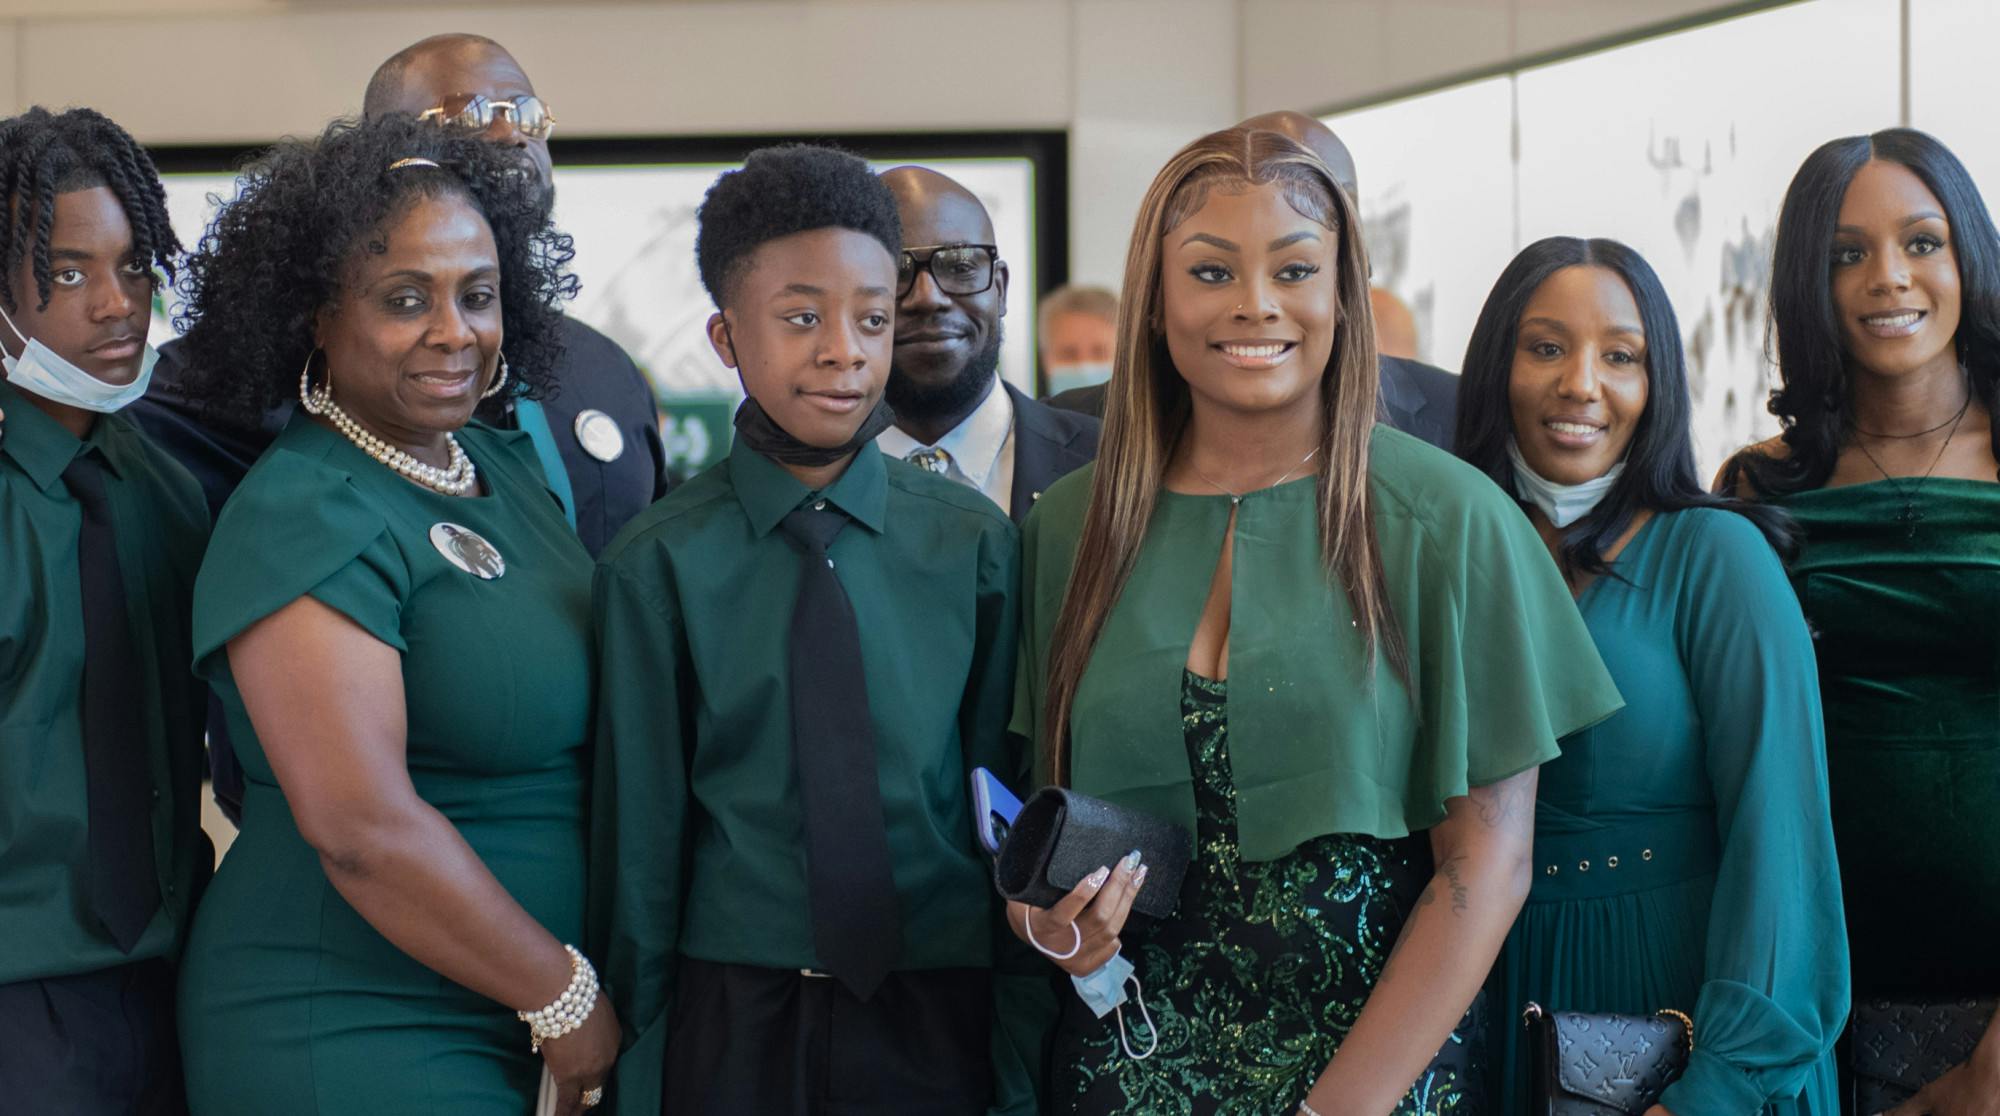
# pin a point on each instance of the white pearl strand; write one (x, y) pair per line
(455, 479)
(570, 1009)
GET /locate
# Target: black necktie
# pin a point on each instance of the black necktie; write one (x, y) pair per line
(857, 925)
(124, 887)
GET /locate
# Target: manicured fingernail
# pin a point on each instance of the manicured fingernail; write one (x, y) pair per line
(1097, 878)
(1132, 860)
(1139, 880)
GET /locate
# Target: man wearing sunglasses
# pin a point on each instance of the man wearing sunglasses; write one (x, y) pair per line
(953, 414)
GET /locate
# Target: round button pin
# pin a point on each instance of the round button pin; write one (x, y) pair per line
(599, 435)
(466, 549)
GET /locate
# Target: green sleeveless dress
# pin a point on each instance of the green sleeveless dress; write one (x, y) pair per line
(290, 1001)
(1905, 618)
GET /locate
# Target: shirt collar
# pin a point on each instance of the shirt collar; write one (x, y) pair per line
(40, 445)
(974, 444)
(768, 493)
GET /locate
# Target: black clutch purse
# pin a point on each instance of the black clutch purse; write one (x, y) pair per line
(1060, 836)
(1900, 1046)
(1600, 1064)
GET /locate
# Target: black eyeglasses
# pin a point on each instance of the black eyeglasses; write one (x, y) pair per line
(957, 269)
(475, 113)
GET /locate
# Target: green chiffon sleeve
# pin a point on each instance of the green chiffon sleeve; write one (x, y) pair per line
(1775, 977)
(1502, 663)
(297, 527)
(639, 808)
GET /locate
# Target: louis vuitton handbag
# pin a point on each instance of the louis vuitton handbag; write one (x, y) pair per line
(1601, 1064)
(1901, 1046)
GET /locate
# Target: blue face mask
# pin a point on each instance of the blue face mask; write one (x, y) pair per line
(1104, 992)
(40, 370)
(1063, 377)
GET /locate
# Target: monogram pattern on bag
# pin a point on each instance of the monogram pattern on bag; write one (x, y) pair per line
(1607, 1065)
(1899, 1047)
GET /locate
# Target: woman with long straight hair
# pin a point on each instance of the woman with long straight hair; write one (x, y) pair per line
(1683, 855)
(1885, 317)
(1333, 654)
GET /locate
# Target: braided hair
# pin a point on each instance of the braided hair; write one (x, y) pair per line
(43, 154)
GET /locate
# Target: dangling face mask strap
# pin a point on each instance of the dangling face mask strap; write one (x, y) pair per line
(14, 329)
(1139, 998)
(1103, 992)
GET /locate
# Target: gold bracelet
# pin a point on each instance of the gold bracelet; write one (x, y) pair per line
(1685, 1022)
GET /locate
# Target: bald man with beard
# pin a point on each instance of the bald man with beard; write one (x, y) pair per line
(954, 415)
(1416, 398)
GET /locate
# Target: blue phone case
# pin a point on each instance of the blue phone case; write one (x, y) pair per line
(993, 809)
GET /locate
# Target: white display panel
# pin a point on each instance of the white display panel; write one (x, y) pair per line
(1953, 90)
(1437, 204)
(1681, 146)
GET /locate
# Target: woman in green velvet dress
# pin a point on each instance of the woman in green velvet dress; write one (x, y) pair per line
(1333, 654)
(396, 617)
(1683, 855)
(1885, 305)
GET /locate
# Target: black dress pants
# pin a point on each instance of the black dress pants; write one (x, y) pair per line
(92, 1044)
(778, 1042)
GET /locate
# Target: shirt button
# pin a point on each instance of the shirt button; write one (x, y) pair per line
(819, 505)
(170, 889)
(156, 794)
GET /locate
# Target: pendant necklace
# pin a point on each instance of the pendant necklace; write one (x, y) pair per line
(1912, 512)
(1236, 498)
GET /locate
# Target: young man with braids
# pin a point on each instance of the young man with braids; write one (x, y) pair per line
(101, 849)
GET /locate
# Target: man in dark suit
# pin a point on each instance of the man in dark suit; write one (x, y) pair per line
(953, 414)
(1415, 398)
(598, 436)
(602, 425)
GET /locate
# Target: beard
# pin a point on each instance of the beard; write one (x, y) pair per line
(951, 398)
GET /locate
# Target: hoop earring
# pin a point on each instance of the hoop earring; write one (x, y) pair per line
(316, 401)
(499, 381)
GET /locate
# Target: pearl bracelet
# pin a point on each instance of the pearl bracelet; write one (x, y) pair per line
(570, 1009)
(1306, 1109)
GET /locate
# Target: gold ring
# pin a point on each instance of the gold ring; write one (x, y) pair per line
(593, 1097)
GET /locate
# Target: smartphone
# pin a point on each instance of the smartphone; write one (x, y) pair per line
(993, 809)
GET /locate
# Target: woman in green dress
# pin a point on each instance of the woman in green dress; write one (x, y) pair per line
(1333, 654)
(1683, 856)
(1885, 304)
(395, 616)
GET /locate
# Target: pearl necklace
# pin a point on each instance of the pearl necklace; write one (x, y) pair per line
(455, 479)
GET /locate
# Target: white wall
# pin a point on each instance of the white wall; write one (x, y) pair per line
(1130, 79)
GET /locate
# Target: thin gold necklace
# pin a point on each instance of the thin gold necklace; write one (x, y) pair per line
(1237, 497)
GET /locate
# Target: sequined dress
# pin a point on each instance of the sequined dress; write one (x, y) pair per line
(1262, 969)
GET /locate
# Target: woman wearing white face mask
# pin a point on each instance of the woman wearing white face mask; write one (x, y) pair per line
(100, 717)
(1683, 853)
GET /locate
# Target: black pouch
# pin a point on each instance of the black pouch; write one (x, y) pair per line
(1060, 836)
(1900, 1046)
(1602, 1064)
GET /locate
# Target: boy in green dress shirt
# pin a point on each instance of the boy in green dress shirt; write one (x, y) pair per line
(803, 652)
(101, 849)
